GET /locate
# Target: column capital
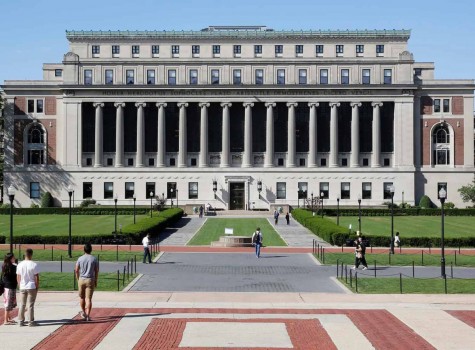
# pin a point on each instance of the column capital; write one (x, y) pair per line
(204, 104)
(313, 104)
(269, 104)
(248, 104)
(292, 104)
(98, 104)
(182, 104)
(334, 104)
(226, 104)
(355, 104)
(376, 104)
(140, 104)
(161, 104)
(119, 104)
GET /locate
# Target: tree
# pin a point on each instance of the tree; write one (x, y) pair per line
(468, 192)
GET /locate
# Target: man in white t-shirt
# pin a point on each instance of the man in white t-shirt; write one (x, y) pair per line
(28, 281)
(146, 249)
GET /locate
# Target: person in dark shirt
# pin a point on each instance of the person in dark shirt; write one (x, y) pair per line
(10, 284)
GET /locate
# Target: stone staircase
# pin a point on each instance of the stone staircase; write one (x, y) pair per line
(233, 241)
(261, 213)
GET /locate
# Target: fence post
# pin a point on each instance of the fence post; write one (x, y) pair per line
(52, 257)
(400, 283)
(342, 270)
(429, 250)
(445, 284)
(346, 273)
(135, 263)
(117, 252)
(455, 258)
(351, 278)
(422, 255)
(413, 270)
(127, 269)
(19, 250)
(337, 267)
(342, 247)
(374, 268)
(130, 247)
(356, 281)
(323, 255)
(123, 278)
(389, 258)
(451, 270)
(61, 263)
(118, 280)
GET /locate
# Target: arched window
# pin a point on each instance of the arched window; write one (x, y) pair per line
(441, 146)
(441, 134)
(35, 150)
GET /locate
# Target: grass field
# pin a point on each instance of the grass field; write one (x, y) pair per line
(56, 281)
(59, 224)
(214, 228)
(411, 285)
(411, 226)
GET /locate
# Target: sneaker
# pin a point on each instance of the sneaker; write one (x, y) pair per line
(88, 318)
(32, 324)
(353, 268)
(365, 268)
(82, 315)
(21, 323)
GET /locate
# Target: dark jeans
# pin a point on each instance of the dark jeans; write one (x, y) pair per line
(361, 261)
(146, 252)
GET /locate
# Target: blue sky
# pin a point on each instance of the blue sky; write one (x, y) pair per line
(34, 31)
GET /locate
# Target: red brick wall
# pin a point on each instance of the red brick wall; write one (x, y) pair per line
(426, 105)
(18, 140)
(19, 128)
(20, 105)
(427, 139)
(50, 126)
(457, 105)
(50, 105)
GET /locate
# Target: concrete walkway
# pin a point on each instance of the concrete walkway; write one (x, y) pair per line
(295, 235)
(180, 233)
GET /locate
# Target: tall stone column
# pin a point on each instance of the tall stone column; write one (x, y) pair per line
(334, 134)
(182, 135)
(355, 134)
(269, 158)
(226, 144)
(119, 134)
(161, 134)
(204, 135)
(375, 159)
(140, 134)
(312, 139)
(247, 159)
(98, 135)
(291, 135)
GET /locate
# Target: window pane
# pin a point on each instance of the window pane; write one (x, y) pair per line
(280, 76)
(150, 77)
(302, 190)
(109, 77)
(436, 105)
(130, 77)
(108, 190)
(150, 190)
(193, 77)
(387, 76)
(34, 190)
(323, 76)
(39, 106)
(129, 190)
(87, 190)
(172, 77)
(214, 76)
(325, 189)
(259, 76)
(446, 105)
(345, 76)
(193, 190)
(257, 48)
(302, 76)
(236, 76)
(88, 77)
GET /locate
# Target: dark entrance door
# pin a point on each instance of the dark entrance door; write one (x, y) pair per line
(236, 191)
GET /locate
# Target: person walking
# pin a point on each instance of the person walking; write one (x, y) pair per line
(257, 240)
(360, 254)
(276, 216)
(201, 211)
(87, 274)
(287, 218)
(28, 278)
(146, 248)
(10, 284)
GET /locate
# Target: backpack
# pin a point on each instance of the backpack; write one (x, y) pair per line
(257, 237)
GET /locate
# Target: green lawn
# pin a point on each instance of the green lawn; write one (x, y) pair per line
(57, 281)
(54, 224)
(214, 228)
(411, 285)
(411, 226)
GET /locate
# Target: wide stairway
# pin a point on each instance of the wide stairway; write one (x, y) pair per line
(262, 213)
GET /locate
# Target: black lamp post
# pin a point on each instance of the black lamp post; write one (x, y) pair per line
(115, 221)
(338, 211)
(11, 196)
(171, 197)
(70, 193)
(215, 187)
(151, 203)
(259, 187)
(311, 195)
(176, 197)
(442, 196)
(134, 198)
(391, 191)
(321, 196)
(298, 198)
(359, 214)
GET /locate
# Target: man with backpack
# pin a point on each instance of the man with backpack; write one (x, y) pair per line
(257, 241)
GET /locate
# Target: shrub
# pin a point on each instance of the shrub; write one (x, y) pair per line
(449, 205)
(85, 203)
(425, 202)
(34, 205)
(47, 200)
(324, 228)
(388, 204)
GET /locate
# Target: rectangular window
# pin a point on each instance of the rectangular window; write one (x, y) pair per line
(237, 77)
(388, 76)
(115, 49)
(96, 50)
(446, 105)
(216, 49)
(129, 190)
(172, 77)
(109, 77)
(325, 189)
(281, 190)
(35, 190)
(31, 106)
(135, 49)
(175, 49)
(345, 76)
(130, 76)
(214, 76)
(280, 76)
(345, 190)
(302, 190)
(436, 105)
(359, 49)
(441, 185)
(366, 76)
(279, 49)
(379, 49)
(386, 190)
(257, 49)
(237, 49)
(319, 49)
(302, 76)
(155, 49)
(150, 77)
(150, 190)
(366, 190)
(171, 190)
(58, 72)
(259, 76)
(192, 190)
(39, 106)
(88, 77)
(298, 49)
(323, 76)
(195, 49)
(339, 49)
(151, 162)
(108, 190)
(193, 76)
(130, 161)
(86, 190)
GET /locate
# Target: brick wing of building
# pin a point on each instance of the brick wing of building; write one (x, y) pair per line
(239, 118)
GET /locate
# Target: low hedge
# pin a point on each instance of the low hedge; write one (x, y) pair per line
(131, 234)
(324, 228)
(400, 212)
(75, 211)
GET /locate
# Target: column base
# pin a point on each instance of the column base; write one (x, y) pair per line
(203, 166)
(182, 166)
(354, 166)
(333, 166)
(119, 165)
(224, 166)
(246, 166)
(97, 165)
(162, 165)
(376, 166)
(268, 165)
(139, 166)
(290, 166)
(312, 165)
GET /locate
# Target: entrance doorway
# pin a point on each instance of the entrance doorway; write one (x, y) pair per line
(236, 195)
